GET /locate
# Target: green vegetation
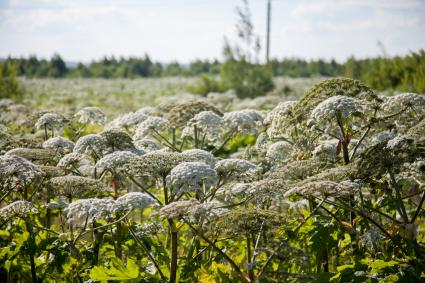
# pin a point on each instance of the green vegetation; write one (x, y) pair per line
(9, 86)
(404, 73)
(326, 188)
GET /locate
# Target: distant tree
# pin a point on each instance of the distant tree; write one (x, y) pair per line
(241, 70)
(57, 67)
(9, 85)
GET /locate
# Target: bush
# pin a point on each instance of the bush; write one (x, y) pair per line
(9, 85)
(206, 84)
(247, 79)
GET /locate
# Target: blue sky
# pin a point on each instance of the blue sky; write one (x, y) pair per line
(185, 30)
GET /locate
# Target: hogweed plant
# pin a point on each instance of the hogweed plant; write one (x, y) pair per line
(328, 188)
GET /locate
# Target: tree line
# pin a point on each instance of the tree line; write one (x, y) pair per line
(404, 73)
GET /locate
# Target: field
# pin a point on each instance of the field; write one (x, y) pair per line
(321, 180)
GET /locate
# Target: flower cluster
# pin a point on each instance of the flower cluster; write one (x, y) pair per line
(201, 155)
(179, 209)
(77, 187)
(91, 144)
(325, 188)
(33, 154)
(152, 125)
(20, 208)
(114, 160)
(279, 152)
(191, 176)
(91, 115)
(129, 120)
(59, 144)
(83, 212)
(398, 102)
(209, 124)
(336, 106)
(157, 164)
(135, 200)
(237, 170)
(278, 117)
(50, 121)
(183, 112)
(245, 121)
(18, 168)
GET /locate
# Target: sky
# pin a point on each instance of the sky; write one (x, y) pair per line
(185, 30)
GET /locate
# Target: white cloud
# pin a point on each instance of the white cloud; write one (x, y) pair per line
(182, 30)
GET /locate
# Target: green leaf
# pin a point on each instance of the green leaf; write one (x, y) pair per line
(378, 266)
(116, 271)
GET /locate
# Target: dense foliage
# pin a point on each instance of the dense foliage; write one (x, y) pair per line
(9, 85)
(326, 188)
(404, 73)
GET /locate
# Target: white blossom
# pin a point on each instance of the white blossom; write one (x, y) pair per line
(237, 169)
(279, 151)
(90, 144)
(72, 159)
(401, 101)
(328, 109)
(325, 150)
(191, 176)
(87, 211)
(147, 145)
(201, 155)
(114, 160)
(50, 121)
(16, 209)
(91, 115)
(150, 126)
(18, 168)
(135, 200)
(128, 120)
(59, 144)
(208, 124)
(246, 121)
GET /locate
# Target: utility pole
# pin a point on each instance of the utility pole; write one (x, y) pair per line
(269, 9)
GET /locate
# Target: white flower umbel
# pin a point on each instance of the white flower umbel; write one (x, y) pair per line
(246, 121)
(114, 160)
(208, 211)
(77, 187)
(208, 124)
(18, 168)
(201, 155)
(127, 120)
(179, 209)
(20, 208)
(191, 176)
(398, 102)
(59, 144)
(234, 169)
(326, 150)
(73, 159)
(147, 145)
(85, 211)
(91, 115)
(278, 117)
(381, 137)
(50, 121)
(151, 126)
(325, 188)
(331, 108)
(90, 144)
(135, 200)
(279, 151)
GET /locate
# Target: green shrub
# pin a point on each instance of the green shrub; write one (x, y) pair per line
(247, 79)
(9, 85)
